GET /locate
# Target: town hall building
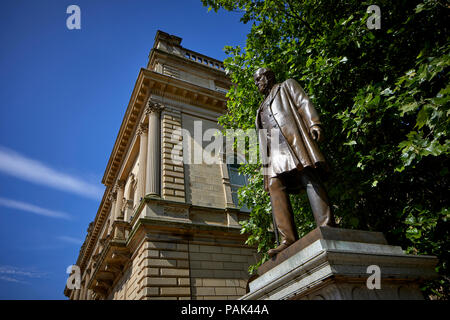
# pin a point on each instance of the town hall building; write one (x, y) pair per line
(168, 228)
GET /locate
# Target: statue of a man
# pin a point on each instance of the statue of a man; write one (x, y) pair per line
(292, 163)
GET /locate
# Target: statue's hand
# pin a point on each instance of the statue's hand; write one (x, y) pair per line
(316, 133)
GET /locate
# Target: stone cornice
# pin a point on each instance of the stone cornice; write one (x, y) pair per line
(95, 226)
(181, 90)
(137, 100)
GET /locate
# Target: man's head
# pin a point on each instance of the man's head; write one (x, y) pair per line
(264, 80)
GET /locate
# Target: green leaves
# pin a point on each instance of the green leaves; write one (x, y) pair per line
(406, 108)
(383, 98)
(431, 129)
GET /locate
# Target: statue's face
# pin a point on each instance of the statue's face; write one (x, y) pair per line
(262, 82)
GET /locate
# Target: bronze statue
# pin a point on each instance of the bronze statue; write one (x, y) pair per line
(294, 165)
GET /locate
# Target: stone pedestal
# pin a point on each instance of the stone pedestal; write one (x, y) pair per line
(332, 264)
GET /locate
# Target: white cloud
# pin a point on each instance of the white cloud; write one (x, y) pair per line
(70, 240)
(14, 164)
(14, 274)
(17, 275)
(10, 279)
(33, 209)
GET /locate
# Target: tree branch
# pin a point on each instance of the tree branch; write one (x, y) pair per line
(295, 15)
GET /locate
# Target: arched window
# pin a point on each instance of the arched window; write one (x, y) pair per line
(237, 180)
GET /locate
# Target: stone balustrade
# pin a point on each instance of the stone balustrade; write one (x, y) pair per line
(212, 63)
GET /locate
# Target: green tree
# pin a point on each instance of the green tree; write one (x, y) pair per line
(383, 96)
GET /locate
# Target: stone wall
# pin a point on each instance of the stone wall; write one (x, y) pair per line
(219, 272)
(165, 271)
(172, 267)
(172, 171)
(204, 183)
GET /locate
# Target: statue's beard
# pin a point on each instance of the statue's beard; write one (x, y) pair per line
(266, 89)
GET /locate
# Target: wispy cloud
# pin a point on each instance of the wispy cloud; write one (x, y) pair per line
(33, 209)
(15, 274)
(10, 279)
(71, 240)
(19, 166)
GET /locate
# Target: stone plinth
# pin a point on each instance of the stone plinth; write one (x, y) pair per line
(332, 264)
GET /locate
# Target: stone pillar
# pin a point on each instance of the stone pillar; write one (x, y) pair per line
(77, 294)
(80, 295)
(86, 290)
(143, 146)
(152, 181)
(112, 198)
(119, 198)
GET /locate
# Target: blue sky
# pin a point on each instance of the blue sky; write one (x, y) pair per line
(63, 94)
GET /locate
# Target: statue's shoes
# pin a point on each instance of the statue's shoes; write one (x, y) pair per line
(329, 223)
(281, 247)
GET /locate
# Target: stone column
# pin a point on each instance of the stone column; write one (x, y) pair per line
(112, 197)
(119, 198)
(143, 146)
(152, 181)
(86, 290)
(82, 293)
(77, 294)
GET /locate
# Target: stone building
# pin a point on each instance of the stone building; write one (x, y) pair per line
(165, 228)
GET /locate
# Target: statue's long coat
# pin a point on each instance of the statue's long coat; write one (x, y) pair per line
(295, 115)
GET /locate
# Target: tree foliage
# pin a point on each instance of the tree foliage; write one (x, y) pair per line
(383, 96)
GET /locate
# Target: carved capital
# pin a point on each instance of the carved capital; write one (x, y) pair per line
(153, 106)
(120, 184)
(143, 128)
(112, 195)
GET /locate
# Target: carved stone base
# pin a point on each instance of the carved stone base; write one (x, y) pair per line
(332, 264)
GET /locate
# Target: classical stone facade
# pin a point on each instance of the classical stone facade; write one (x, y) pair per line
(165, 228)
